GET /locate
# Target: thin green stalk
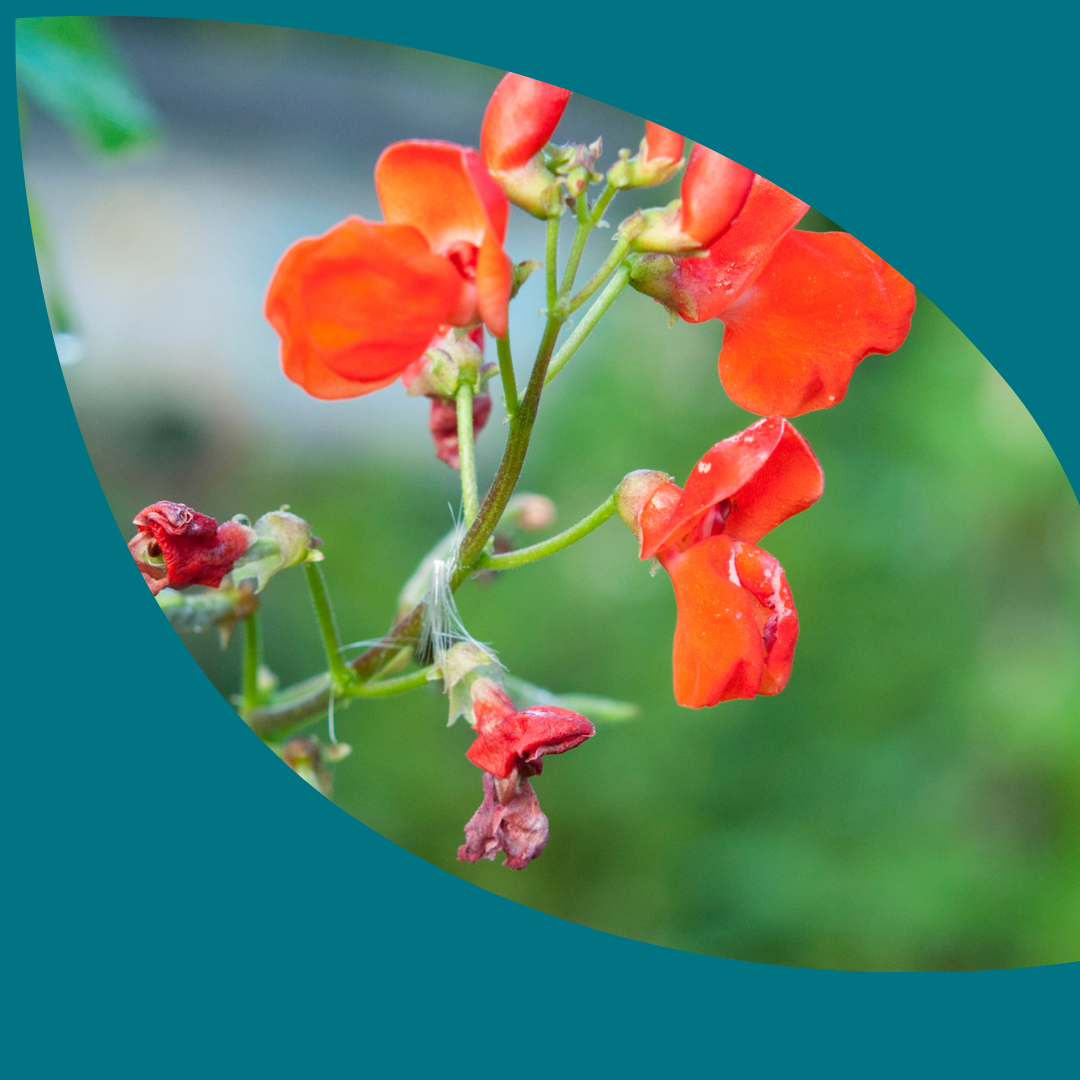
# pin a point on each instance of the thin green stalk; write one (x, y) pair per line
(249, 683)
(551, 254)
(608, 194)
(554, 543)
(506, 370)
(588, 324)
(339, 670)
(620, 248)
(577, 248)
(470, 500)
(388, 687)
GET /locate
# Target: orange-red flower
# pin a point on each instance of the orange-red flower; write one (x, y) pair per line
(800, 309)
(177, 546)
(737, 625)
(520, 119)
(509, 747)
(359, 304)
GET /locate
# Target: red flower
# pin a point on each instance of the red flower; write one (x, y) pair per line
(737, 625)
(714, 189)
(509, 747)
(520, 119)
(356, 306)
(176, 546)
(800, 309)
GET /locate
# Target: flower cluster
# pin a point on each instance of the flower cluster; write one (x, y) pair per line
(413, 297)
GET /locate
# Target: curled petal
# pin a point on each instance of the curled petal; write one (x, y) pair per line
(762, 475)
(177, 546)
(821, 305)
(737, 626)
(508, 740)
(520, 119)
(714, 191)
(356, 306)
(518, 828)
(704, 287)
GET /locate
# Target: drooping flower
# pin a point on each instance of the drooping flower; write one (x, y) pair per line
(509, 747)
(800, 309)
(737, 625)
(356, 306)
(177, 546)
(519, 121)
(714, 190)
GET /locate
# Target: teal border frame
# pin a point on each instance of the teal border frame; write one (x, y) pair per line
(157, 932)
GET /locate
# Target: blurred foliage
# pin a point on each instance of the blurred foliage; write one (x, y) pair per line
(910, 802)
(69, 66)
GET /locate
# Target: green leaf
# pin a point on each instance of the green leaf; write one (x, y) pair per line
(598, 709)
(69, 66)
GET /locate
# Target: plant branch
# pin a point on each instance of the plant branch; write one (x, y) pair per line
(339, 670)
(554, 543)
(470, 501)
(588, 324)
(506, 370)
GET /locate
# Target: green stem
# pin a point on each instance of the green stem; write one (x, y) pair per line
(609, 193)
(388, 687)
(553, 543)
(517, 445)
(588, 324)
(249, 685)
(622, 245)
(339, 670)
(470, 500)
(551, 254)
(506, 370)
(577, 248)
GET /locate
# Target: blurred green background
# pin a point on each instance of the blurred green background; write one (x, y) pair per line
(910, 802)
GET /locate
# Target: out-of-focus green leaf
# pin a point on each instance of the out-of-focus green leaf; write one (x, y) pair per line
(68, 65)
(592, 706)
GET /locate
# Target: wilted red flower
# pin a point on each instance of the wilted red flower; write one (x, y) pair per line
(737, 625)
(509, 747)
(714, 190)
(177, 546)
(356, 306)
(519, 121)
(800, 309)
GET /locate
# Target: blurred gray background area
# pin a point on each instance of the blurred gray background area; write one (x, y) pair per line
(911, 801)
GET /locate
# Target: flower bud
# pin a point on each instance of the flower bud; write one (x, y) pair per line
(575, 165)
(282, 540)
(635, 493)
(309, 758)
(658, 160)
(520, 119)
(449, 362)
(528, 512)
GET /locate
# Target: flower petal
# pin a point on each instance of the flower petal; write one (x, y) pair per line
(662, 144)
(719, 653)
(822, 304)
(519, 828)
(763, 577)
(709, 283)
(714, 191)
(443, 190)
(520, 119)
(356, 306)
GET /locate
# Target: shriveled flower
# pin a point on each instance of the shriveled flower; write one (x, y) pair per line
(509, 747)
(714, 190)
(737, 624)
(520, 119)
(800, 309)
(444, 429)
(356, 306)
(177, 546)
